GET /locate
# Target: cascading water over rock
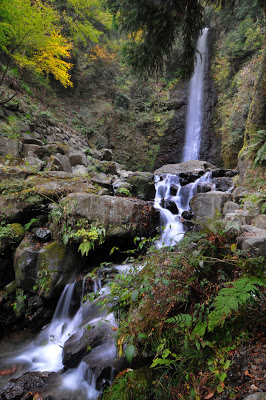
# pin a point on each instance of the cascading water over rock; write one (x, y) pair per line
(169, 191)
(46, 353)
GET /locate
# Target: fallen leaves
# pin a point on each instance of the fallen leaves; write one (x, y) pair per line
(8, 371)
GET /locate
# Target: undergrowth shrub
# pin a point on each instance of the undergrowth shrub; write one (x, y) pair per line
(186, 309)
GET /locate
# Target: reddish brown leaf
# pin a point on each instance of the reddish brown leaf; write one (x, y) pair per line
(209, 395)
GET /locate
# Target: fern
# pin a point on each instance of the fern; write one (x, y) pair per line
(182, 320)
(231, 299)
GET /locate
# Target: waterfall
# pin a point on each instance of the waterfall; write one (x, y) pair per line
(46, 352)
(171, 198)
(63, 306)
(171, 194)
(194, 112)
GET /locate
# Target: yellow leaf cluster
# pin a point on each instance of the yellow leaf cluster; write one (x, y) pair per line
(100, 52)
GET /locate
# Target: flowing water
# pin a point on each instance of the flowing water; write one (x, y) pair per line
(168, 188)
(170, 194)
(194, 111)
(46, 352)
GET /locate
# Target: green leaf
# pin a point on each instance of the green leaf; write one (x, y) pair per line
(223, 376)
(200, 329)
(220, 389)
(129, 352)
(227, 364)
(142, 336)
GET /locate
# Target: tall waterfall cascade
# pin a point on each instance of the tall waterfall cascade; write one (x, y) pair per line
(171, 198)
(194, 111)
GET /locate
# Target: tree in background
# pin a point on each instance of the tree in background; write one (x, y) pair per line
(30, 35)
(153, 27)
(41, 37)
(83, 21)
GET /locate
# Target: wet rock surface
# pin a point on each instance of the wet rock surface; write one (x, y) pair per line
(169, 205)
(84, 341)
(52, 261)
(28, 382)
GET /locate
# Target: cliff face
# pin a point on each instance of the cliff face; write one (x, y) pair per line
(210, 149)
(236, 68)
(253, 153)
(172, 142)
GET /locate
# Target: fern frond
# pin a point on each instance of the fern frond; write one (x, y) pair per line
(182, 320)
(231, 299)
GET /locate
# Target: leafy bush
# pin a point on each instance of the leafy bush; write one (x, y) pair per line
(201, 299)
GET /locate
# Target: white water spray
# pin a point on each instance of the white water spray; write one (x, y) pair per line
(168, 188)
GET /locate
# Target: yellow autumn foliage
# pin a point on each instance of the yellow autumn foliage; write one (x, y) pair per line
(100, 52)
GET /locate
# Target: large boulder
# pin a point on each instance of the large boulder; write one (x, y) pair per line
(59, 162)
(10, 147)
(223, 184)
(252, 241)
(187, 167)
(48, 266)
(83, 341)
(120, 216)
(103, 180)
(208, 205)
(77, 158)
(230, 207)
(260, 221)
(12, 210)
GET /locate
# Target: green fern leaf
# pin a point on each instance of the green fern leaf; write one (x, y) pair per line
(230, 299)
(182, 320)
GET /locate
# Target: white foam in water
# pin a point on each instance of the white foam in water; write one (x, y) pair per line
(173, 229)
(74, 380)
(45, 354)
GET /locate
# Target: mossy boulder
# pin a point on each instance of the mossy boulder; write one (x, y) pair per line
(143, 184)
(18, 232)
(120, 216)
(44, 267)
(10, 234)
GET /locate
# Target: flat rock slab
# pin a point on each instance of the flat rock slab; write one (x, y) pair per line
(185, 167)
(256, 396)
(120, 216)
